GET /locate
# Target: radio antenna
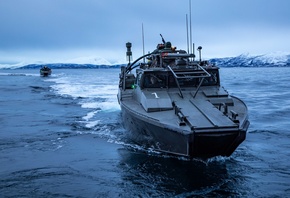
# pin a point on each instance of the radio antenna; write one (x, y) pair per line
(190, 31)
(143, 42)
(187, 39)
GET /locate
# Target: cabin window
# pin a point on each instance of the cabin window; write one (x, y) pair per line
(154, 81)
(129, 81)
(138, 79)
(212, 80)
(194, 81)
(183, 82)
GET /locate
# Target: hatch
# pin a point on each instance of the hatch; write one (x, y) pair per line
(155, 100)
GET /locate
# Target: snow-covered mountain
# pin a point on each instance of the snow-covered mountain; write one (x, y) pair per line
(70, 66)
(91, 60)
(277, 59)
(81, 62)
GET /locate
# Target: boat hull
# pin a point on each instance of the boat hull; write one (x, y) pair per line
(45, 73)
(205, 143)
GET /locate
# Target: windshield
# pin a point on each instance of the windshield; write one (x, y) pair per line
(155, 81)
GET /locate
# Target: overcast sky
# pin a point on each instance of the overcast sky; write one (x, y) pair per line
(62, 30)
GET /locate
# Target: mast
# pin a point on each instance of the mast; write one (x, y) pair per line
(143, 42)
(190, 30)
(187, 39)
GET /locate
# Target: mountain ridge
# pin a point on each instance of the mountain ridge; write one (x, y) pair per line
(245, 60)
(277, 59)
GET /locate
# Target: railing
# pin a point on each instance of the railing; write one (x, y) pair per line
(200, 73)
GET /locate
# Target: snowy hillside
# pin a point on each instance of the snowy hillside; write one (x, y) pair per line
(81, 62)
(277, 59)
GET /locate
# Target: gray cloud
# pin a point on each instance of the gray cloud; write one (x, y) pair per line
(82, 27)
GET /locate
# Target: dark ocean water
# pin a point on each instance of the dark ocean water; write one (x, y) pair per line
(62, 136)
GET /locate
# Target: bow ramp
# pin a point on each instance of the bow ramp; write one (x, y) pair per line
(201, 114)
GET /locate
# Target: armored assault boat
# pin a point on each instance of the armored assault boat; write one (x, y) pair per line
(175, 104)
(45, 71)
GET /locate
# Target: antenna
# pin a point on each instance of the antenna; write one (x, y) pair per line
(187, 39)
(143, 42)
(190, 31)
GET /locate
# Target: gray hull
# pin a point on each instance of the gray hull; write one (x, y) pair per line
(45, 72)
(205, 143)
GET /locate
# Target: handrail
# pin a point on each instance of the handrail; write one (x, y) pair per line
(176, 80)
(176, 55)
(190, 75)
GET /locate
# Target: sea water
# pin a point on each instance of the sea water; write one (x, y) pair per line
(62, 136)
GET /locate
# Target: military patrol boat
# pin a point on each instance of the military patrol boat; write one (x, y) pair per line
(175, 104)
(45, 71)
